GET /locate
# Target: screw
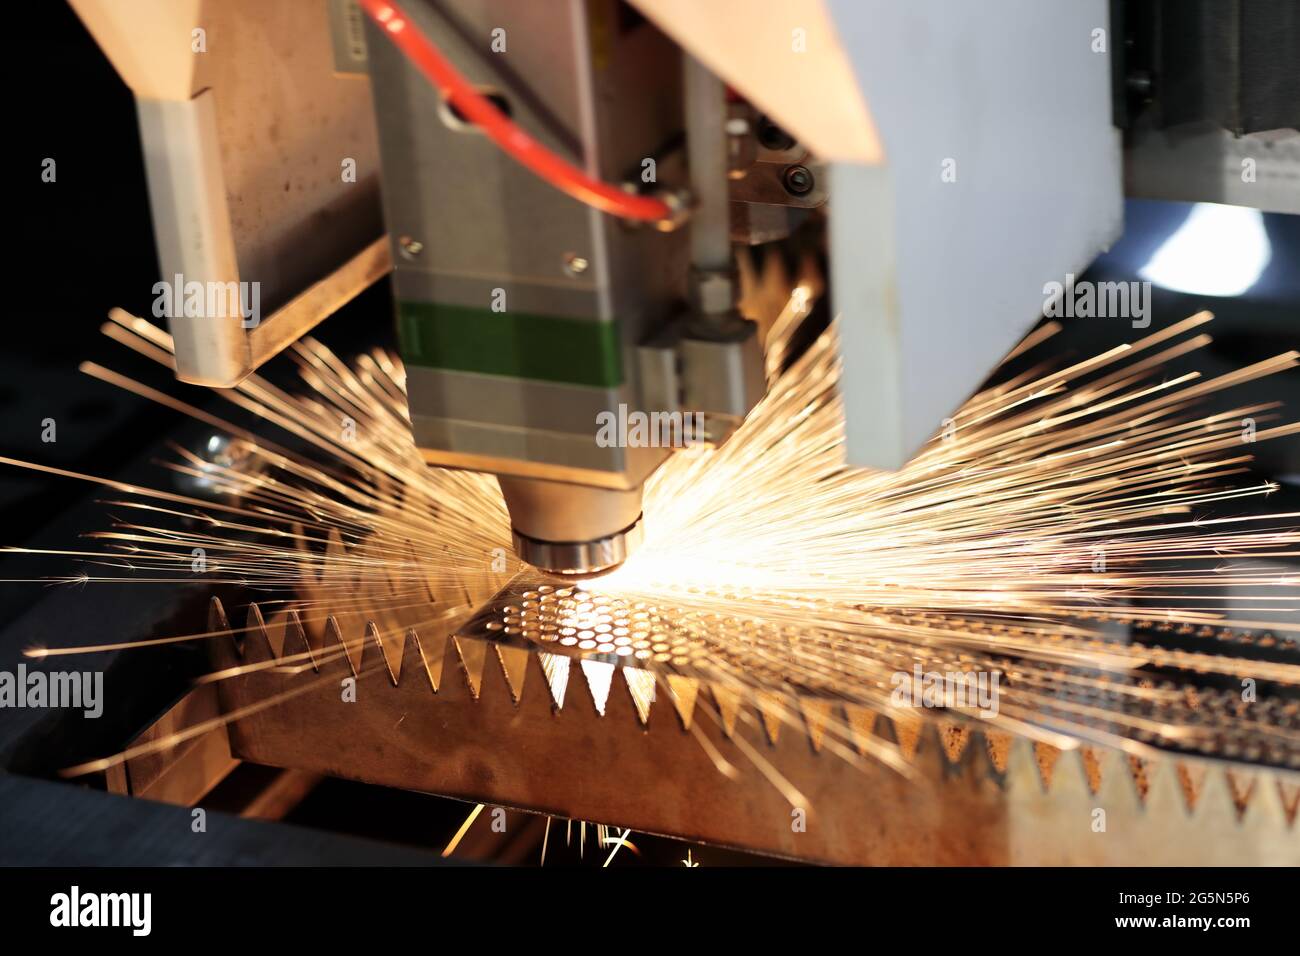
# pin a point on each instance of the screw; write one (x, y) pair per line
(798, 180)
(574, 264)
(410, 247)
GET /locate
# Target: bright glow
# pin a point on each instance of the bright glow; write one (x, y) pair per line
(1219, 250)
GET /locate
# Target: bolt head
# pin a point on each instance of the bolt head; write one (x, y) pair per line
(799, 180)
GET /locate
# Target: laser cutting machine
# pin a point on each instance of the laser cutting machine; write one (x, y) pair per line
(272, 131)
(572, 251)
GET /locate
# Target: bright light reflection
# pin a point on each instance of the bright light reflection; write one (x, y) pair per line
(1219, 250)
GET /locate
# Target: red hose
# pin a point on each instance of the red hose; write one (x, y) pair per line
(479, 110)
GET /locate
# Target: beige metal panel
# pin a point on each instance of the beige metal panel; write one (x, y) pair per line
(285, 124)
(245, 142)
(191, 223)
(149, 42)
(323, 298)
(785, 57)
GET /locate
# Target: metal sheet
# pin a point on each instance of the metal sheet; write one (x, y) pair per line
(494, 722)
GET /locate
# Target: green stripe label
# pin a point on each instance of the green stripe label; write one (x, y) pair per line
(514, 344)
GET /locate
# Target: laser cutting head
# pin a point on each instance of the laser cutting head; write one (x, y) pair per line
(532, 297)
(569, 530)
(532, 327)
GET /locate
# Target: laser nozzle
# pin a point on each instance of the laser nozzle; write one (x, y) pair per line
(579, 560)
(572, 531)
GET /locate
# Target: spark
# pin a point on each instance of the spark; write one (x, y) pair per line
(464, 828)
(618, 842)
(1061, 507)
